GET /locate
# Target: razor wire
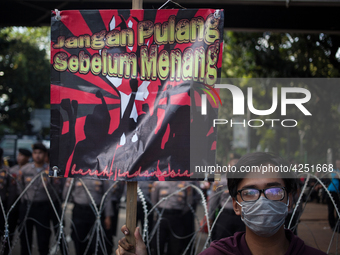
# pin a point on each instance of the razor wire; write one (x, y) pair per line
(60, 234)
(20, 228)
(98, 234)
(164, 199)
(145, 210)
(305, 204)
(299, 200)
(336, 209)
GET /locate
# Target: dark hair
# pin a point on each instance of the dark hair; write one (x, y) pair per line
(39, 146)
(257, 159)
(235, 156)
(25, 152)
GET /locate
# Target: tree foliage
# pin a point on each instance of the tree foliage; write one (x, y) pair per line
(24, 80)
(282, 55)
(24, 85)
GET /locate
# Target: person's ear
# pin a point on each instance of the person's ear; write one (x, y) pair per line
(237, 207)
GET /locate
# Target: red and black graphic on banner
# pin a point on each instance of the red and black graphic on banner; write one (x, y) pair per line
(123, 83)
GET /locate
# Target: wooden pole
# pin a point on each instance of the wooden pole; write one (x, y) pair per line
(131, 211)
(137, 4)
(131, 189)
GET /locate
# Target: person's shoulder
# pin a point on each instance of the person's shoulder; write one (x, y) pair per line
(4, 169)
(232, 245)
(27, 167)
(298, 247)
(14, 171)
(312, 251)
(13, 168)
(211, 251)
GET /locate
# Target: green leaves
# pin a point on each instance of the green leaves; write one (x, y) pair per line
(280, 55)
(25, 81)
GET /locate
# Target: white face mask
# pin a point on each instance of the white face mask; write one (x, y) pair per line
(263, 216)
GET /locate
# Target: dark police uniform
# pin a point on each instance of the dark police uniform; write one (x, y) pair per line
(7, 194)
(228, 222)
(35, 208)
(116, 194)
(174, 220)
(83, 216)
(13, 219)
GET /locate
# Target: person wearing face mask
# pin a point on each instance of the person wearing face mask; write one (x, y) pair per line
(261, 200)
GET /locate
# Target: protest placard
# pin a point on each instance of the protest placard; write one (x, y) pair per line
(123, 87)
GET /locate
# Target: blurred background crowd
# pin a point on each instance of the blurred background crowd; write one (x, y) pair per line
(34, 204)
